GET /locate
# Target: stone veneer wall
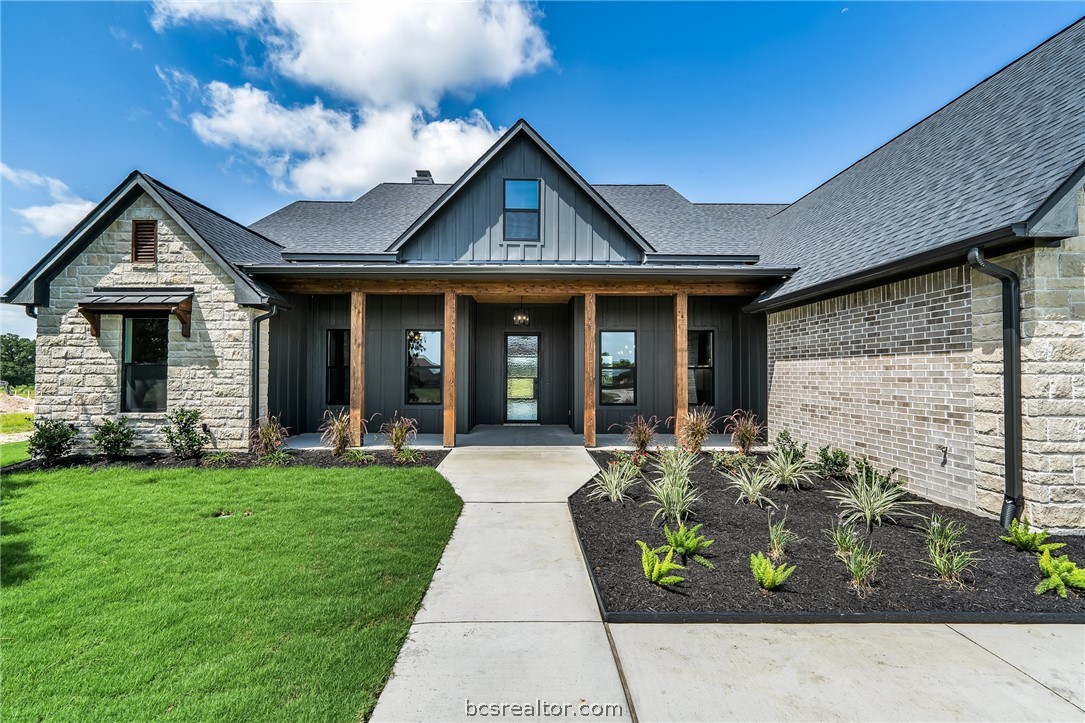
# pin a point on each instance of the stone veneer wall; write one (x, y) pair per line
(884, 373)
(1052, 382)
(78, 375)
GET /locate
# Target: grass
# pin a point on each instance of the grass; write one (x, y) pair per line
(125, 598)
(16, 422)
(12, 452)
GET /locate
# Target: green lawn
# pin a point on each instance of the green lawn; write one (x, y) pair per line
(12, 452)
(16, 422)
(125, 598)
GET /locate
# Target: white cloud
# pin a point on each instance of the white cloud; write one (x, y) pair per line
(48, 220)
(391, 63)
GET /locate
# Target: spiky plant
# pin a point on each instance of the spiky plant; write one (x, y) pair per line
(335, 431)
(614, 482)
(686, 543)
(218, 458)
(276, 458)
(944, 550)
(359, 456)
(744, 429)
(673, 497)
(787, 469)
(862, 565)
(843, 538)
(675, 462)
(751, 483)
(779, 536)
(1021, 536)
(658, 571)
(872, 497)
(640, 432)
(268, 436)
(698, 424)
(767, 575)
(1059, 573)
(399, 431)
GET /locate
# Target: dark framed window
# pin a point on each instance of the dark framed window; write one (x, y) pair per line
(423, 367)
(702, 368)
(618, 367)
(144, 241)
(522, 209)
(337, 372)
(145, 361)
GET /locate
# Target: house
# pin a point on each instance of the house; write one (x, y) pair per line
(908, 309)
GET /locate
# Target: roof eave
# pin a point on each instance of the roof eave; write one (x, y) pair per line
(342, 270)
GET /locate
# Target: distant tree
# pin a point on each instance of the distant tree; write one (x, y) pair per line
(16, 359)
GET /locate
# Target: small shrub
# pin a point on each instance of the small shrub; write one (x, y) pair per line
(268, 436)
(407, 455)
(686, 543)
(185, 434)
(359, 456)
(1021, 537)
(1059, 573)
(862, 565)
(657, 571)
(730, 462)
(699, 423)
(218, 458)
(872, 497)
(787, 469)
(52, 440)
(751, 484)
(113, 437)
(335, 431)
(944, 549)
(786, 444)
(640, 432)
(614, 482)
(744, 429)
(832, 464)
(674, 498)
(399, 431)
(779, 536)
(276, 458)
(767, 575)
(843, 538)
(637, 459)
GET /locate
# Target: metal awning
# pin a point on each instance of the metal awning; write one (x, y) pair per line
(173, 300)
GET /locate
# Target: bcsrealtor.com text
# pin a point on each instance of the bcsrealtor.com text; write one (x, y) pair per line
(543, 709)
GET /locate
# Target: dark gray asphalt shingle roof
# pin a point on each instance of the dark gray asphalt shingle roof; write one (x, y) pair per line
(986, 160)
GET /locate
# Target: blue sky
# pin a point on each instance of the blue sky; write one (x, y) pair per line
(247, 109)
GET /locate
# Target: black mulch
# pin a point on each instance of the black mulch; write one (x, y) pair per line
(1002, 581)
(307, 457)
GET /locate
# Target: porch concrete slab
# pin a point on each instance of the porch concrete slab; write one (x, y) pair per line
(517, 474)
(520, 435)
(828, 672)
(442, 667)
(508, 562)
(1051, 654)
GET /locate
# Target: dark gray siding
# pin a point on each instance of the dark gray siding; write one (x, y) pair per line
(741, 365)
(573, 227)
(751, 370)
(554, 325)
(465, 385)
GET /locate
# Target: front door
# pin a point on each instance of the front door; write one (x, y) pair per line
(522, 378)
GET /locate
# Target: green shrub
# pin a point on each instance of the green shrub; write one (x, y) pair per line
(751, 484)
(52, 440)
(1059, 573)
(335, 431)
(779, 536)
(636, 458)
(767, 575)
(658, 571)
(862, 564)
(359, 456)
(399, 431)
(641, 432)
(1021, 537)
(686, 543)
(113, 438)
(787, 469)
(730, 462)
(744, 429)
(185, 434)
(276, 458)
(218, 458)
(872, 497)
(843, 538)
(944, 550)
(832, 464)
(786, 444)
(268, 436)
(614, 482)
(698, 424)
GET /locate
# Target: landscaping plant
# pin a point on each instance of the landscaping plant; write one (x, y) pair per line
(787, 469)
(673, 496)
(614, 482)
(185, 434)
(277, 458)
(872, 497)
(640, 432)
(832, 464)
(744, 429)
(687, 544)
(944, 549)
(268, 436)
(1020, 536)
(751, 484)
(52, 439)
(218, 458)
(862, 564)
(676, 462)
(731, 461)
(786, 444)
(779, 536)
(767, 575)
(698, 425)
(1059, 573)
(658, 571)
(335, 431)
(359, 456)
(399, 431)
(113, 437)
(637, 459)
(843, 538)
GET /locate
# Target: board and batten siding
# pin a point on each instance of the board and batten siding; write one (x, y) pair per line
(573, 228)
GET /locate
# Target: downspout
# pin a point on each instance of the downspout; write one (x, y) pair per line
(1011, 380)
(254, 399)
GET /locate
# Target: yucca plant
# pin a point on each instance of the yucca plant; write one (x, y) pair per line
(335, 431)
(944, 549)
(862, 564)
(1059, 573)
(751, 483)
(673, 497)
(658, 571)
(744, 429)
(788, 469)
(687, 544)
(614, 482)
(675, 462)
(699, 423)
(872, 497)
(767, 575)
(1021, 536)
(268, 436)
(843, 537)
(779, 536)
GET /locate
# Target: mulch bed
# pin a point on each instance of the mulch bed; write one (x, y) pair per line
(1001, 582)
(306, 457)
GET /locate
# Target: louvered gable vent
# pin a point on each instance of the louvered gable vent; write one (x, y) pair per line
(144, 242)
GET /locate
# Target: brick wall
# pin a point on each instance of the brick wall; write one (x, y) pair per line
(884, 373)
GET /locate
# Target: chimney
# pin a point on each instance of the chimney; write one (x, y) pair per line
(423, 177)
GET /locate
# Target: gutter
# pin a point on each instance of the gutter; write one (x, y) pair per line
(254, 381)
(1013, 502)
(504, 271)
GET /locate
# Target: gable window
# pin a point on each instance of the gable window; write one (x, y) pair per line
(702, 369)
(144, 242)
(423, 367)
(145, 362)
(618, 367)
(337, 371)
(521, 210)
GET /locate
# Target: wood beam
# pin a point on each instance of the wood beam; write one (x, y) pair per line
(590, 359)
(681, 361)
(449, 363)
(527, 288)
(357, 366)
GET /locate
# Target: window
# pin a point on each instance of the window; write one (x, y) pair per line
(144, 242)
(702, 369)
(521, 210)
(337, 373)
(423, 367)
(618, 367)
(146, 345)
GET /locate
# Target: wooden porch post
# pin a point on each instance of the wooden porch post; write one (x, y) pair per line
(589, 370)
(449, 362)
(681, 360)
(357, 365)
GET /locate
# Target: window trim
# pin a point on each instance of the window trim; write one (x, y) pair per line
(505, 211)
(712, 366)
(154, 242)
(124, 365)
(599, 362)
(407, 368)
(328, 367)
